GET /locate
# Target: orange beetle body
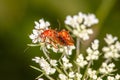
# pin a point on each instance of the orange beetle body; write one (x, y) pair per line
(65, 38)
(62, 37)
(51, 34)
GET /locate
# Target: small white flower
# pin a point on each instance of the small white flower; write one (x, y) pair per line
(64, 59)
(75, 32)
(90, 19)
(36, 59)
(99, 78)
(117, 77)
(84, 33)
(117, 45)
(48, 46)
(80, 61)
(52, 70)
(110, 78)
(110, 39)
(35, 36)
(107, 68)
(71, 74)
(53, 62)
(68, 49)
(89, 50)
(80, 17)
(66, 63)
(61, 49)
(40, 79)
(71, 21)
(106, 49)
(92, 73)
(54, 49)
(41, 24)
(78, 76)
(62, 77)
(93, 53)
(95, 44)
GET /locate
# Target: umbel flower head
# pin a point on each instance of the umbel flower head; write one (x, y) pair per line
(113, 48)
(39, 27)
(80, 24)
(79, 67)
(48, 38)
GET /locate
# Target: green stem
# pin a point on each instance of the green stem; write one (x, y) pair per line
(33, 45)
(78, 51)
(77, 47)
(36, 68)
(64, 70)
(85, 73)
(108, 60)
(102, 76)
(39, 76)
(58, 70)
(68, 28)
(50, 78)
(45, 52)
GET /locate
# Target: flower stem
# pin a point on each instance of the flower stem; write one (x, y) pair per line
(39, 76)
(86, 70)
(58, 69)
(50, 78)
(45, 53)
(64, 70)
(78, 50)
(36, 68)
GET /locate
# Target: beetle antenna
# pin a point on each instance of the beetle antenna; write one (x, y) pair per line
(59, 24)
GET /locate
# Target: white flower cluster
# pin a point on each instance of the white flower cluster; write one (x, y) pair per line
(80, 61)
(62, 77)
(40, 79)
(70, 76)
(117, 77)
(66, 63)
(80, 67)
(93, 52)
(92, 73)
(81, 24)
(45, 66)
(106, 68)
(66, 49)
(66, 68)
(39, 27)
(113, 48)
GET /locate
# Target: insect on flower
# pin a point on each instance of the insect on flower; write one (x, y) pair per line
(65, 38)
(62, 37)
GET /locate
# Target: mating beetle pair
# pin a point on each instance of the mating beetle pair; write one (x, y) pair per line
(57, 37)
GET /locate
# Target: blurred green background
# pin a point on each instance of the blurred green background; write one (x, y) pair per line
(17, 21)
